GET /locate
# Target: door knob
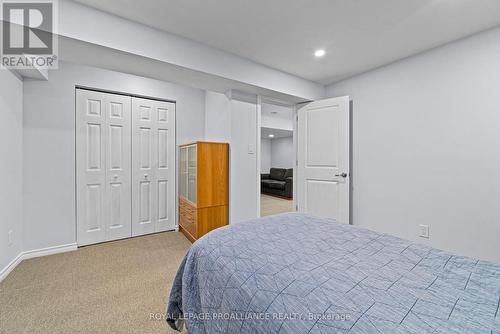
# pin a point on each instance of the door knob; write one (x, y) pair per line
(115, 177)
(344, 175)
(145, 176)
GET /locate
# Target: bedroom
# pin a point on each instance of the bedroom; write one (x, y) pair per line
(417, 139)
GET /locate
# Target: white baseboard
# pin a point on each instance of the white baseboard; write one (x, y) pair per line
(8, 268)
(35, 253)
(48, 251)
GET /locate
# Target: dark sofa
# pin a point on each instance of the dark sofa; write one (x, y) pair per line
(279, 182)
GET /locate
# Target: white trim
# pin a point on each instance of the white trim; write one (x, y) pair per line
(258, 150)
(296, 153)
(35, 253)
(6, 271)
(49, 251)
(276, 102)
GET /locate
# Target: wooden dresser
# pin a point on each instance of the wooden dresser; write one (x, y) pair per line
(203, 188)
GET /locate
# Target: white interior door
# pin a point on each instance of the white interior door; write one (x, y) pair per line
(103, 167)
(323, 179)
(118, 166)
(153, 166)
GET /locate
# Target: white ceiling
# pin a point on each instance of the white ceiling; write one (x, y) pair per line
(276, 117)
(278, 133)
(277, 111)
(358, 35)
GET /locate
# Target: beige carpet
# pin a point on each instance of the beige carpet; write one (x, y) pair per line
(113, 287)
(270, 205)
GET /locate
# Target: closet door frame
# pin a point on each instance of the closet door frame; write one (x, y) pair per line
(172, 156)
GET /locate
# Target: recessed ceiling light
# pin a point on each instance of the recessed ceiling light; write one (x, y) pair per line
(271, 136)
(319, 53)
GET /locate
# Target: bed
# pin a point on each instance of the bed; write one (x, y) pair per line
(293, 273)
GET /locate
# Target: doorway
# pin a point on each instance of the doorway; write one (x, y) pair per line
(277, 158)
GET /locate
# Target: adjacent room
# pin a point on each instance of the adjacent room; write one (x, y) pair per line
(286, 166)
(277, 159)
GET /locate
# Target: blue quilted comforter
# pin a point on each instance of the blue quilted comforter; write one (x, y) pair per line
(294, 273)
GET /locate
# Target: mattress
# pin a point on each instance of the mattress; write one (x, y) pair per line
(294, 273)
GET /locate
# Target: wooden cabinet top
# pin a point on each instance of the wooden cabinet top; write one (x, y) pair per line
(204, 142)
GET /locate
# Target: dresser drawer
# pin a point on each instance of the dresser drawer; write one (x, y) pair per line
(188, 217)
(189, 224)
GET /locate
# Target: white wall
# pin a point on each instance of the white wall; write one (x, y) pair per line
(426, 146)
(235, 121)
(49, 142)
(265, 155)
(282, 152)
(244, 174)
(217, 117)
(11, 166)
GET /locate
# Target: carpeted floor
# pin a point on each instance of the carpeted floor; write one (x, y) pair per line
(115, 287)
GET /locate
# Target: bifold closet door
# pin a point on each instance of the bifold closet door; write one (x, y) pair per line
(103, 160)
(153, 166)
